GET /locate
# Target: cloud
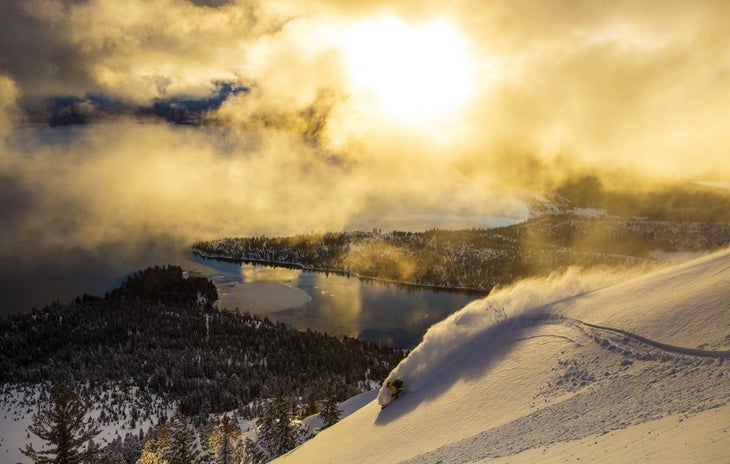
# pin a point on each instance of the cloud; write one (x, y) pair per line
(126, 49)
(621, 91)
(619, 86)
(8, 109)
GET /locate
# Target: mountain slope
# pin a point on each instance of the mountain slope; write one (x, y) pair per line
(564, 368)
(683, 305)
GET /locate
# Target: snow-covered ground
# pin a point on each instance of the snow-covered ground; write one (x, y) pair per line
(18, 406)
(579, 368)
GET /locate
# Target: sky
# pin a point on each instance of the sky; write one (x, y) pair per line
(386, 114)
(638, 84)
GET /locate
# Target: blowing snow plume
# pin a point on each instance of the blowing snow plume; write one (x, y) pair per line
(482, 325)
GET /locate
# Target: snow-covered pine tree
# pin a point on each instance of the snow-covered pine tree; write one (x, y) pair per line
(255, 454)
(183, 445)
(153, 450)
(222, 440)
(312, 405)
(284, 434)
(63, 426)
(329, 410)
(260, 451)
(276, 433)
(239, 451)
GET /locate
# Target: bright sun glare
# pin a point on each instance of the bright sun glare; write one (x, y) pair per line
(414, 73)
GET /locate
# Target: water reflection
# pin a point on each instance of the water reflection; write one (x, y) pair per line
(336, 304)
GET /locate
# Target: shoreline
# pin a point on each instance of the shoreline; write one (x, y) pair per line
(340, 272)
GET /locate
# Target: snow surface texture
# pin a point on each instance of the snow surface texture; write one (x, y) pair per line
(19, 404)
(596, 368)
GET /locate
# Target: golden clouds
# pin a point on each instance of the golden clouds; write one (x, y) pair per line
(8, 99)
(639, 86)
(553, 88)
(623, 85)
(125, 48)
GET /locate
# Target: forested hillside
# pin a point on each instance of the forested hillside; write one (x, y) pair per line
(479, 258)
(154, 334)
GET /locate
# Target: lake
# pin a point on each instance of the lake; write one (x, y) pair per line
(394, 314)
(83, 206)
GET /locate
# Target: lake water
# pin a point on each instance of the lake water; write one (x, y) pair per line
(394, 314)
(47, 253)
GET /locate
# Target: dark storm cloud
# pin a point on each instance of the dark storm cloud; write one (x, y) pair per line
(131, 50)
(34, 54)
(212, 3)
(15, 202)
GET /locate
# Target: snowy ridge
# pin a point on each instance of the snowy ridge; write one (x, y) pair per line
(525, 304)
(597, 368)
(720, 354)
(484, 320)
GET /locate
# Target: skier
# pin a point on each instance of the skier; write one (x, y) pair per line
(396, 386)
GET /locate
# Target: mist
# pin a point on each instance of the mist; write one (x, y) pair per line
(558, 90)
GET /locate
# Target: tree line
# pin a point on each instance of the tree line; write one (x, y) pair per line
(478, 259)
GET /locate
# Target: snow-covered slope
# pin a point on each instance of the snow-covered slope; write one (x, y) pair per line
(589, 368)
(19, 404)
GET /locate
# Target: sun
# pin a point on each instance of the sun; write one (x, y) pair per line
(414, 73)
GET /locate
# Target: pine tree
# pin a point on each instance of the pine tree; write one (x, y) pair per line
(239, 450)
(276, 433)
(329, 411)
(62, 425)
(255, 453)
(285, 434)
(182, 448)
(312, 406)
(153, 450)
(222, 440)
(261, 450)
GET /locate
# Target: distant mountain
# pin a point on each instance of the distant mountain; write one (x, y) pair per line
(576, 368)
(93, 108)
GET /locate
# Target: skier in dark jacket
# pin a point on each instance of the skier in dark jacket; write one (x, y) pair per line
(396, 386)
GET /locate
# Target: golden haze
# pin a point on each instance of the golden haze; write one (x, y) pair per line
(499, 96)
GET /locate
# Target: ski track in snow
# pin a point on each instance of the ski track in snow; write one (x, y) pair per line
(586, 326)
(590, 413)
(653, 343)
(658, 379)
